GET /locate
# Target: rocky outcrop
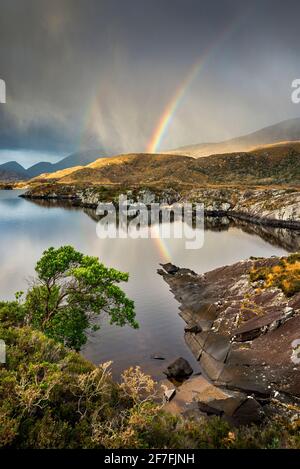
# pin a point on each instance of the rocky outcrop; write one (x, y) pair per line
(274, 207)
(247, 335)
(198, 397)
(281, 206)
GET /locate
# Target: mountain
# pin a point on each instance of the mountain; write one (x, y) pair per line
(81, 158)
(13, 171)
(39, 168)
(286, 131)
(269, 165)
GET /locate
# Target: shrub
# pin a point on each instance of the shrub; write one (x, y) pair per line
(284, 275)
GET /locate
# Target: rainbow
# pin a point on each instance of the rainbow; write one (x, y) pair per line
(177, 98)
(93, 116)
(160, 243)
(170, 109)
(163, 250)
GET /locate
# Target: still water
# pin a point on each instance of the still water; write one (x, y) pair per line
(28, 228)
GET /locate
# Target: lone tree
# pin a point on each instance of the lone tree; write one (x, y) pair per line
(70, 291)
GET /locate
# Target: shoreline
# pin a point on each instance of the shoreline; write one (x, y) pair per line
(76, 201)
(243, 333)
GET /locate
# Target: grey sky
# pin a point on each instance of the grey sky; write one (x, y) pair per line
(95, 73)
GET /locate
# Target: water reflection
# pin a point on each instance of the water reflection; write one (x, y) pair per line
(280, 237)
(27, 228)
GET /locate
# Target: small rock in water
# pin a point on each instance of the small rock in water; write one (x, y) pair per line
(157, 357)
(179, 369)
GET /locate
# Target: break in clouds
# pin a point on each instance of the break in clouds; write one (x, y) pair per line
(100, 74)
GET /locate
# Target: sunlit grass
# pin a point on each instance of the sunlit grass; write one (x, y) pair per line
(285, 275)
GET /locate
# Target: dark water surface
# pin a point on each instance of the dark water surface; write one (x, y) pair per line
(27, 228)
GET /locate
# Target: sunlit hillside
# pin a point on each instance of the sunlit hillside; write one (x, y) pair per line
(286, 131)
(271, 164)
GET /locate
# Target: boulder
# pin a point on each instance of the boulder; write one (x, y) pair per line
(170, 268)
(198, 395)
(219, 400)
(180, 369)
(249, 412)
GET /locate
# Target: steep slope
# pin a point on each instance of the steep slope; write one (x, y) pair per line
(285, 131)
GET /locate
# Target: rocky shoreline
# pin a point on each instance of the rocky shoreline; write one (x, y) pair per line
(272, 207)
(245, 334)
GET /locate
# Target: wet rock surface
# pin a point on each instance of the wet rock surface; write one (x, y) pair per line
(250, 334)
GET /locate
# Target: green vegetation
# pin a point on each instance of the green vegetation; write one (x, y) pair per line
(273, 165)
(51, 397)
(284, 275)
(70, 291)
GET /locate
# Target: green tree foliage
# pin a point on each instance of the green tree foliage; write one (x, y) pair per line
(70, 291)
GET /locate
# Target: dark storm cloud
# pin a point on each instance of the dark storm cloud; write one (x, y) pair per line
(92, 73)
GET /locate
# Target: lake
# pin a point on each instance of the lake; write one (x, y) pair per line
(28, 228)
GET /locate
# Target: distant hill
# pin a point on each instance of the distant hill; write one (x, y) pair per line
(284, 136)
(270, 165)
(38, 168)
(81, 158)
(126, 169)
(13, 171)
(57, 175)
(286, 131)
